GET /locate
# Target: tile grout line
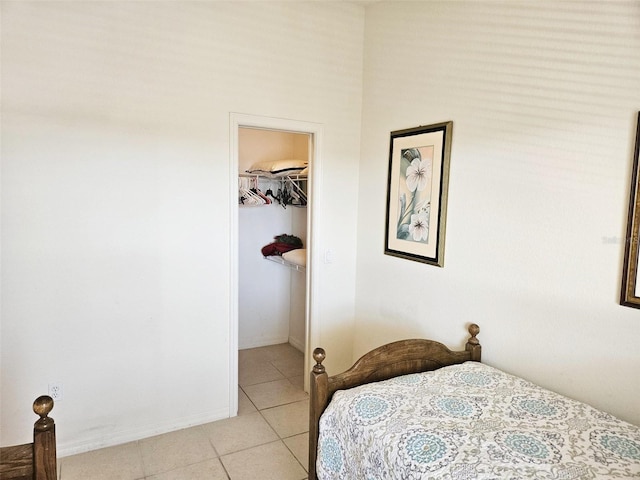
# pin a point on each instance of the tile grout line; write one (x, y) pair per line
(248, 398)
(306, 469)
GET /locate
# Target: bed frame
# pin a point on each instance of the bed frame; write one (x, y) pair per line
(37, 460)
(388, 361)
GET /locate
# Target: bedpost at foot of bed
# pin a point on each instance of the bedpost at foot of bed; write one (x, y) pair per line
(44, 440)
(319, 355)
(36, 460)
(473, 344)
(42, 406)
(318, 400)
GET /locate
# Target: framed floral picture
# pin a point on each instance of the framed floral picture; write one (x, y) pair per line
(630, 295)
(417, 193)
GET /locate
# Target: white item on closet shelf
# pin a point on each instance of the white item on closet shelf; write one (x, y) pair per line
(278, 167)
(297, 256)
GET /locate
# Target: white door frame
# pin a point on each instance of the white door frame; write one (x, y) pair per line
(314, 130)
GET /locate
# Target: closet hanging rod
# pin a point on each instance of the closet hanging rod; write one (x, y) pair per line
(267, 176)
(297, 188)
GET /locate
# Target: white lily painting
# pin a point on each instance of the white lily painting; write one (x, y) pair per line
(414, 194)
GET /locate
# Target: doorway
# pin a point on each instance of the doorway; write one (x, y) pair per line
(313, 135)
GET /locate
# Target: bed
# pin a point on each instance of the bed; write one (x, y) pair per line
(37, 460)
(415, 409)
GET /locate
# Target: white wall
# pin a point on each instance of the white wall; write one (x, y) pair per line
(116, 199)
(264, 288)
(544, 99)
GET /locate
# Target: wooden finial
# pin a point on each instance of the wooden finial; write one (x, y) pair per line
(473, 331)
(319, 355)
(42, 407)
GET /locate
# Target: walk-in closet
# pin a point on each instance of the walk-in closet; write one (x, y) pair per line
(272, 217)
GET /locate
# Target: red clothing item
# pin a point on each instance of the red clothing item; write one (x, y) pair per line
(277, 248)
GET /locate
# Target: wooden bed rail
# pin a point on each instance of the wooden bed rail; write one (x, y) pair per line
(37, 460)
(391, 360)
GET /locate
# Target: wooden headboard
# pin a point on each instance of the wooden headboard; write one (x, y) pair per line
(388, 361)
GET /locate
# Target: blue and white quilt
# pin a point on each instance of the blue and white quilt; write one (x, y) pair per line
(466, 422)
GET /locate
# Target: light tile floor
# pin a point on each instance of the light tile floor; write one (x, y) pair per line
(267, 440)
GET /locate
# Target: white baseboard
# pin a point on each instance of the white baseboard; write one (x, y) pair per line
(297, 343)
(255, 342)
(265, 342)
(138, 433)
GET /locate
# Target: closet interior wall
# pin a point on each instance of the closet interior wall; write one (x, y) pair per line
(272, 297)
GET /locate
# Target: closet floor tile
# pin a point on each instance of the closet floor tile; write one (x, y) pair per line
(272, 394)
(251, 372)
(244, 404)
(283, 351)
(254, 355)
(289, 368)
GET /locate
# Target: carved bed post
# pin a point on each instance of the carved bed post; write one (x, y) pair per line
(473, 345)
(44, 441)
(319, 395)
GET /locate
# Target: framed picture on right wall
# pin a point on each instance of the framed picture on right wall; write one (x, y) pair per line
(630, 294)
(417, 193)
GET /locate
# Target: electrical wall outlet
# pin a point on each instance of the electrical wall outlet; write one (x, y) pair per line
(55, 391)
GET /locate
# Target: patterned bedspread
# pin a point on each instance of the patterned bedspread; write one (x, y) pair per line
(470, 421)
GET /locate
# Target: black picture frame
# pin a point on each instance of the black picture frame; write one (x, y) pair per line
(417, 193)
(630, 291)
